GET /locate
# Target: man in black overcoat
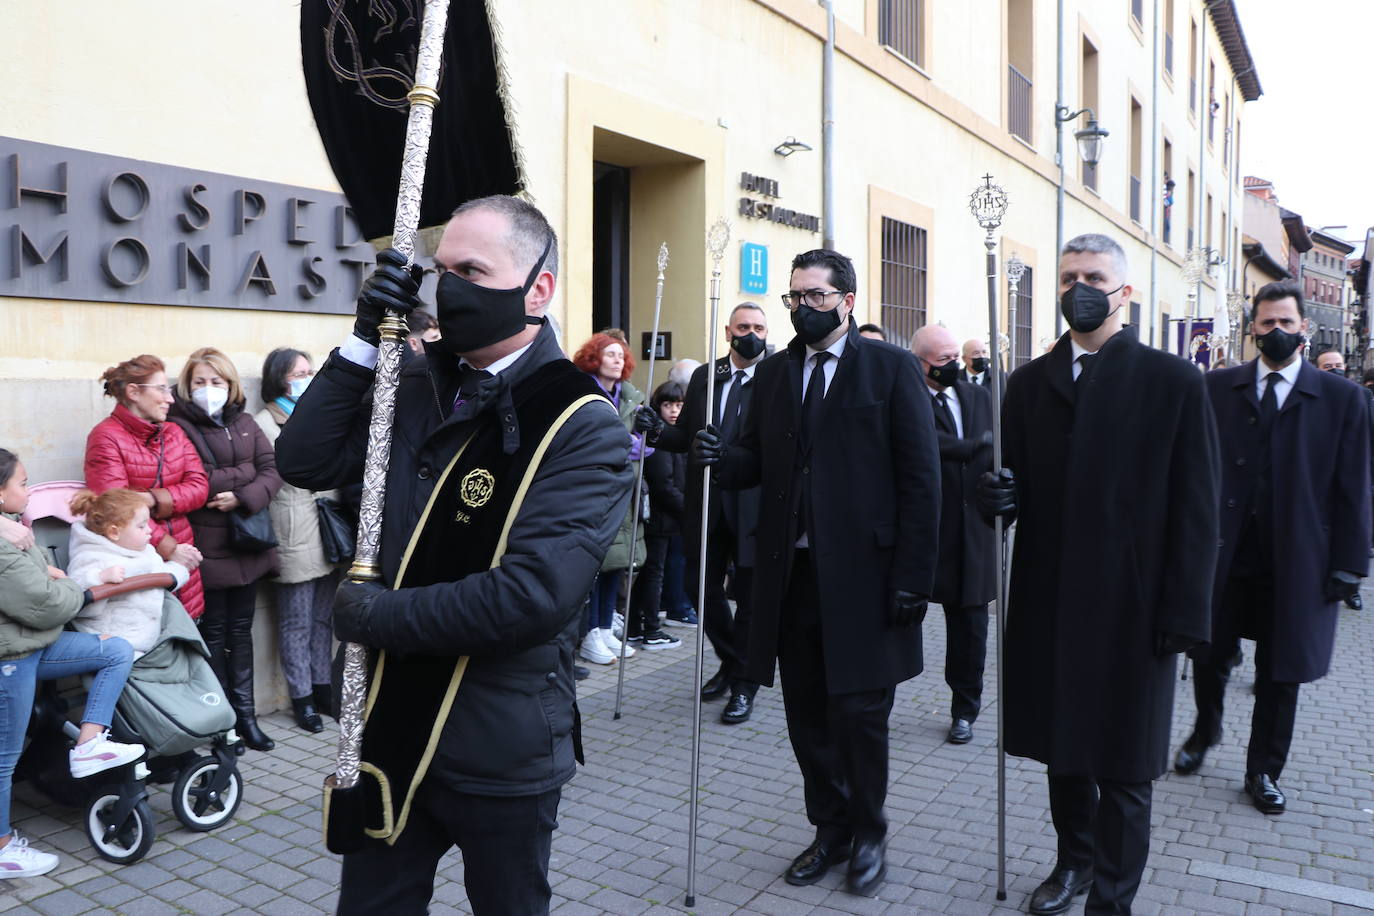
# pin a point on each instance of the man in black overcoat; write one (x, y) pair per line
(508, 479)
(1111, 453)
(1295, 533)
(966, 577)
(843, 443)
(733, 514)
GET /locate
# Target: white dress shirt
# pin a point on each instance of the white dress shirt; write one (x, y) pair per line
(836, 350)
(361, 353)
(951, 398)
(1288, 376)
(730, 380)
(976, 378)
(1078, 351)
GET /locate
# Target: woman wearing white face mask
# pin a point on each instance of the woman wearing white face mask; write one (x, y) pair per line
(243, 479)
(306, 580)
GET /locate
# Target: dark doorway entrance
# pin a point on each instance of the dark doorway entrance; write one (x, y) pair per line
(610, 247)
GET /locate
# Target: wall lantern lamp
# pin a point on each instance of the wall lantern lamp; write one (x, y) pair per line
(791, 145)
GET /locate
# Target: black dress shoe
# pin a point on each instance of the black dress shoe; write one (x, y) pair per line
(867, 866)
(715, 687)
(961, 732)
(306, 716)
(1189, 758)
(739, 709)
(1265, 793)
(815, 861)
(1056, 894)
(580, 673)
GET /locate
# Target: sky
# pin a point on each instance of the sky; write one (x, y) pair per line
(1312, 131)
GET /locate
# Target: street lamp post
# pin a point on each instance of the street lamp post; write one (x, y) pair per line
(1090, 150)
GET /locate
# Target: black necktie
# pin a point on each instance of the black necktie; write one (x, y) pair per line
(1269, 404)
(943, 400)
(729, 418)
(469, 379)
(811, 403)
(1085, 363)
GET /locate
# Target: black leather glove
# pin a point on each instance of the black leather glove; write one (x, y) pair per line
(906, 609)
(1173, 643)
(1342, 585)
(648, 421)
(353, 609)
(997, 495)
(708, 448)
(391, 286)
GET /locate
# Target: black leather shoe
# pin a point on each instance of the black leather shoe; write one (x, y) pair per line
(253, 735)
(715, 687)
(815, 861)
(1189, 758)
(1355, 602)
(739, 709)
(961, 732)
(1056, 894)
(306, 716)
(867, 866)
(1265, 793)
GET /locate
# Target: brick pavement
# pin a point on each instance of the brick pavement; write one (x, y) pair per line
(621, 845)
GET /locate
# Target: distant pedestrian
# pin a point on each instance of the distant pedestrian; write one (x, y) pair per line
(872, 331)
(665, 474)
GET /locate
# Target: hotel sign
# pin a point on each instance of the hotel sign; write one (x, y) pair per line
(767, 209)
(78, 225)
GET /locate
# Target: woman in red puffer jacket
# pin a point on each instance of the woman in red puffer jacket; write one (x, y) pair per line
(136, 449)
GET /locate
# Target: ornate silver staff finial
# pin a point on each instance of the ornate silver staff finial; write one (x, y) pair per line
(989, 204)
(1194, 266)
(717, 237)
(1016, 269)
(662, 259)
(1003, 344)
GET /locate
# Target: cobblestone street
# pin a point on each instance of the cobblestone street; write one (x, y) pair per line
(621, 846)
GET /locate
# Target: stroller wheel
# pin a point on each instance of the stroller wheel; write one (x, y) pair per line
(205, 795)
(121, 843)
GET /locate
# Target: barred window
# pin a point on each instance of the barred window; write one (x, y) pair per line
(1021, 346)
(901, 26)
(904, 279)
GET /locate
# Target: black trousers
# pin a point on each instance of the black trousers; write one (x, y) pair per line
(1247, 598)
(648, 587)
(728, 633)
(966, 649)
(1106, 826)
(505, 843)
(840, 739)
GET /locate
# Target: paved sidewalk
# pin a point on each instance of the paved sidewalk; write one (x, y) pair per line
(621, 846)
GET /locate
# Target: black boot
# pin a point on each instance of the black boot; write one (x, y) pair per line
(306, 716)
(323, 695)
(240, 671)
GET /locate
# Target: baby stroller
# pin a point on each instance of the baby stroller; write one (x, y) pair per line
(172, 704)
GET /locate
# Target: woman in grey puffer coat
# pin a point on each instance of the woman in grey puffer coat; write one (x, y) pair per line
(306, 582)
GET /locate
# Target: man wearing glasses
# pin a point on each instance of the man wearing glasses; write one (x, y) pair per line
(842, 443)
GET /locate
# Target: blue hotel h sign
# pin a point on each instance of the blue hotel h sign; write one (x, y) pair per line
(753, 268)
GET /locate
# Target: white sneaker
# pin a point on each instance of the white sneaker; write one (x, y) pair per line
(100, 753)
(618, 625)
(20, 860)
(594, 650)
(610, 642)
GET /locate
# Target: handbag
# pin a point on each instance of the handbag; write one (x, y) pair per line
(337, 534)
(247, 533)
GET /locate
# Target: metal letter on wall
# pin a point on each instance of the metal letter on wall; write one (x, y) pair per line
(86, 226)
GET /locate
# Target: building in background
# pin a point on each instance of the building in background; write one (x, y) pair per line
(1322, 278)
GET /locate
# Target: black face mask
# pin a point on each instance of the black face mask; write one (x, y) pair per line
(1278, 344)
(978, 365)
(1085, 307)
(945, 375)
(472, 317)
(748, 346)
(813, 325)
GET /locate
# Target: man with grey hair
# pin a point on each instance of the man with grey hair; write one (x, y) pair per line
(508, 478)
(1112, 466)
